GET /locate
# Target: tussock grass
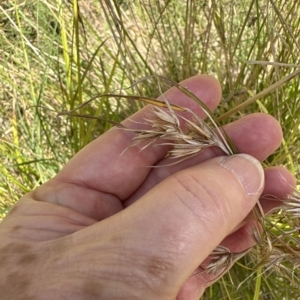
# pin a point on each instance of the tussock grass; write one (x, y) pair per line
(55, 55)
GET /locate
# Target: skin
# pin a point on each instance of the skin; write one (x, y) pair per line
(109, 227)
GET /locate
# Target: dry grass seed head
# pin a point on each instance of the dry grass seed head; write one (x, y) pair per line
(222, 259)
(165, 126)
(292, 204)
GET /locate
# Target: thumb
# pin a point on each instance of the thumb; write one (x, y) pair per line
(177, 224)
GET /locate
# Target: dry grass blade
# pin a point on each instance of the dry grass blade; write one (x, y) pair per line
(128, 97)
(265, 248)
(266, 91)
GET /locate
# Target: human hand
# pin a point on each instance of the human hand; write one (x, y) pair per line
(72, 238)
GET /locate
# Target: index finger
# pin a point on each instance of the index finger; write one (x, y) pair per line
(104, 166)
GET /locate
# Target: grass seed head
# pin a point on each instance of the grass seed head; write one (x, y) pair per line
(165, 126)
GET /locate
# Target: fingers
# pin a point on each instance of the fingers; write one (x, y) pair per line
(31, 220)
(177, 224)
(279, 183)
(83, 200)
(104, 165)
(247, 135)
(237, 242)
(102, 173)
(257, 134)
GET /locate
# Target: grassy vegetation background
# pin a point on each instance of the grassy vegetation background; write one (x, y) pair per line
(56, 54)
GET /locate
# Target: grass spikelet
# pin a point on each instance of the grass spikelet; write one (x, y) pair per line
(292, 204)
(165, 126)
(221, 260)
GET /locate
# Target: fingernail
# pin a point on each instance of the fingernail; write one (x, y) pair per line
(248, 171)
